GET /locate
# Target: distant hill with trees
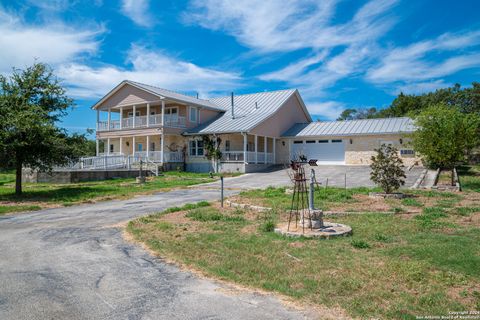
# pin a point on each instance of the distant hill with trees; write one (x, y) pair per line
(467, 100)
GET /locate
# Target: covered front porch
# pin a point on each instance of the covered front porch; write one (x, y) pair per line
(154, 148)
(248, 148)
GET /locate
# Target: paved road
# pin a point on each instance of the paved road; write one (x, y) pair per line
(72, 263)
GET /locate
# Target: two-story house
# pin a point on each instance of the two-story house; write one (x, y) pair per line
(137, 121)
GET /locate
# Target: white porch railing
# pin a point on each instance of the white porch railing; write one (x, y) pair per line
(141, 122)
(238, 156)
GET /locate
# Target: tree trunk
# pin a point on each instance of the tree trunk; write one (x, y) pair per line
(18, 179)
(452, 178)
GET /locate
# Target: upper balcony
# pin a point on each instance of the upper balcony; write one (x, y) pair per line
(132, 122)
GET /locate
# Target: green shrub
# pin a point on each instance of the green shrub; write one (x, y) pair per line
(267, 226)
(360, 244)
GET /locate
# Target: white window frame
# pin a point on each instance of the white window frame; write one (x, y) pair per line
(196, 148)
(193, 111)
(168, 110)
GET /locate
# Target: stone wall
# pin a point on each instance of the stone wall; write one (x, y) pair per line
(77, 176)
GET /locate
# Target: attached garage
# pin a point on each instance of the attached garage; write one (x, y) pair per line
(350, 142)
(326, 151)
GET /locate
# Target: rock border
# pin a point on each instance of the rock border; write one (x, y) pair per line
(330, 230)
(325, 213)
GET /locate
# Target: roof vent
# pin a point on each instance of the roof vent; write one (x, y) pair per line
(233, 110)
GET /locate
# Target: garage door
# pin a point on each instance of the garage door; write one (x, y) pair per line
(324, 150)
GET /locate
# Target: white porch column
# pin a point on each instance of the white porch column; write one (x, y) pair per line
(148, 147)
(97, 142)
(162, 142)
(265, 149)
(98, 118)
(121, 145)
(108, 146)
(256, 149)
(109, 119)
(134, 115)
(121, 117)
(273, 151)
(133, 145)
(163, 114)
(245, 148)
(148, 115)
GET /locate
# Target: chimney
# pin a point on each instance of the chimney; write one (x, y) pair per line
(233, 111)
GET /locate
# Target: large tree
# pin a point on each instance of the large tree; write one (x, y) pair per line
(445, 135)
(32, 102)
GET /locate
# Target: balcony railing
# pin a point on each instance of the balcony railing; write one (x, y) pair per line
(142, 122)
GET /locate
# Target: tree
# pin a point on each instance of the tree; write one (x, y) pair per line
(445, 135)
(356, 114)
(212, 150)
(387, 169)
(32, 101)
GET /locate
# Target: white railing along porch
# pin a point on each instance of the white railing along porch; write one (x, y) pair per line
(238, 156)
(141, 122)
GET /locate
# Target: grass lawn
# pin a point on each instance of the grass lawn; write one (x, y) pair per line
(422, 260)
(43, 195)
(469, 177)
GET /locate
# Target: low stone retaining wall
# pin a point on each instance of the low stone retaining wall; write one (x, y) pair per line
(74, 176)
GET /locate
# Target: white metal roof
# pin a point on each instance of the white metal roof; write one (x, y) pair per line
(351, 127)
(250, 110)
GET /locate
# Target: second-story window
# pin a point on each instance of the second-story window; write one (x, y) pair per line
(193, 114)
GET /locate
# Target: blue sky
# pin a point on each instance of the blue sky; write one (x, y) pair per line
(339, 54)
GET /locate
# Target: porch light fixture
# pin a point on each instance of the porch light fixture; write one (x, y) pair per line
(351, 141)
(283, 143)
(401, 141)
(127, 143)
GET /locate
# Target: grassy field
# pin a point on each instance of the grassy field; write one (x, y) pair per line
(42, 195)
(421, 260)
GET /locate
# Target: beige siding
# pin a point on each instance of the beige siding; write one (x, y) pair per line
(289, 114)
(127, 95)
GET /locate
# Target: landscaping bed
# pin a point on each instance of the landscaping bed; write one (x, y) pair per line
(49, 195)
(423, 260)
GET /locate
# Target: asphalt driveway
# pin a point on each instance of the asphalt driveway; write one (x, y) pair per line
(73, 263)
(356, 176)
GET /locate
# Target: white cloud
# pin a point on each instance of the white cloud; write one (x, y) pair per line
(138, 11)
(413, 63)
(272, 25)
(150, 67)
(420, 87)
(54, 44)
(329, 109)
